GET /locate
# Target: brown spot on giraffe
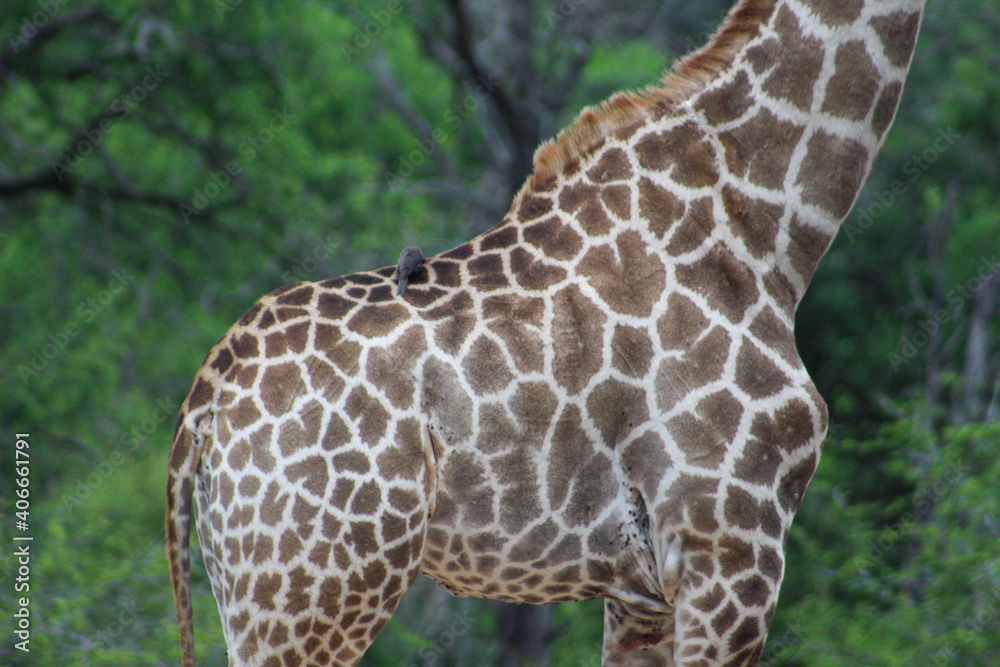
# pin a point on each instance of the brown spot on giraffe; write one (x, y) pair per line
(841, 163)
(792, 77)
(856, 77)
(759, 149)
(685, 150)
(659, 207)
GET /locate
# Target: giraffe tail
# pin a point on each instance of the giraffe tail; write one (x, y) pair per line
(184, 456)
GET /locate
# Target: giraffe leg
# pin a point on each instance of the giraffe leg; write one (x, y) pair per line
(637, 637)
(640, 635)
(725, 604)
(320, 601)
(309, 565)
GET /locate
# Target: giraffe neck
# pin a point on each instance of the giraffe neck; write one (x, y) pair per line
(800, 116)
(770, 131)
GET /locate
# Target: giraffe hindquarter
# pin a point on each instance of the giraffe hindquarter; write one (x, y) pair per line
(313, 489)
(309, 546)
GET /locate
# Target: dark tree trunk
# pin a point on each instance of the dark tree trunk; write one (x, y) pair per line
(979, 375)
(524, 634)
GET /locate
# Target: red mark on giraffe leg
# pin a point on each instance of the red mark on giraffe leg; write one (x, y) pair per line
(633, 641)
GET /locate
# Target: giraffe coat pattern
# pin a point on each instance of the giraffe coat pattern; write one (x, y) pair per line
(600, 397)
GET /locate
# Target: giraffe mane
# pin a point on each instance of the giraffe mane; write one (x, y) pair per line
(685, 78)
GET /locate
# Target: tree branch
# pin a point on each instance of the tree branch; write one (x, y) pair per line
(476, 75)
(405, 109)
(937, 233)
(49, 29)
(977, 375)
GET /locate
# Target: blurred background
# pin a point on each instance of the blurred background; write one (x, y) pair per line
(164, 164)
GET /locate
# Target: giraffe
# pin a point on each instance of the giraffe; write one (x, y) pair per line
(601, 397)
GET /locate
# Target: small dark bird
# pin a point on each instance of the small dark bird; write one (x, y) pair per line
(409, 263)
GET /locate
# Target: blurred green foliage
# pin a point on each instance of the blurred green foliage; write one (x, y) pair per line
(110, 296)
